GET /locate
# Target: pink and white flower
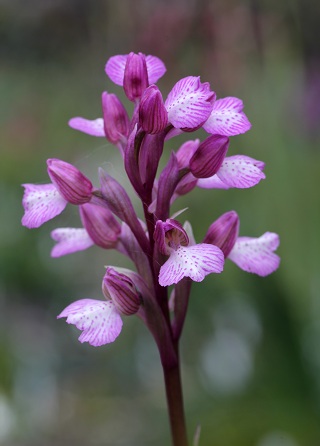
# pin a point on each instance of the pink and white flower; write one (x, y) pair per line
(185, 260)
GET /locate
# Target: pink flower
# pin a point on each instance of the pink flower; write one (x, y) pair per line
(185, 260)
(101, 321)
(251, 254)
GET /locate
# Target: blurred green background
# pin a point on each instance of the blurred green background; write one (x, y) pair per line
(250, 350)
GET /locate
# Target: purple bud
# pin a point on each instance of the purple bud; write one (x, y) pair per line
(75, 187)
(209, 156)
(135, 79)
(101, 225)
(224, 232)
(115, 117)
(153, 116)
(122, 291)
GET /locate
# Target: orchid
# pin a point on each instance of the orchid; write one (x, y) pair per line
(162, 250)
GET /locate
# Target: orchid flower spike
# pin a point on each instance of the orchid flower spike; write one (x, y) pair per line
(185, 260)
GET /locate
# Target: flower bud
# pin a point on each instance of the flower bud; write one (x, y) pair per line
(224, 232)
(135, 79)
(153, 116)
(209, 156)
(101, 225)
(74, 187)
(115, 117)
(122, 291)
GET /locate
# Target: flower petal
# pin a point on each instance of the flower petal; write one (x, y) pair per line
(99, 321)
(115, 68)
(194, 261)
(255, 255)
(41, 203)
(240, 171)
(227, 118)
(70, 240)
(116, 65)
(213, 182)
(188, 104)
(156, 68)
(93, 127)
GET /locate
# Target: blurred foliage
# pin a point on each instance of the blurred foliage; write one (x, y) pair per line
(251, 361)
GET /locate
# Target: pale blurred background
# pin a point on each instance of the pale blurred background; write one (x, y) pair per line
(251, 356)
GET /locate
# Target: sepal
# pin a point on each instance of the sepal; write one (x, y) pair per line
(153, 116)
(224, 232)
(135, 79)
(209, 156)
(101, 225)
(115, 118)
(122, 291)
(75, 187)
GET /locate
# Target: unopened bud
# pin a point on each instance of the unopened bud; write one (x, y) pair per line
(209, 156)
(153, 116)
(122, 291)
(101, 225)
(224, 232)
(135, 79)
(75, 187)
(115, 117)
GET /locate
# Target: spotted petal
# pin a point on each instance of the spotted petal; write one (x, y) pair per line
(240, 171)
(255, 255)
(116, 65)
(99, 321)
(70, 240)
(93, 127)
(227, 118)
(194, 261)
(41, 203)
(189, 103)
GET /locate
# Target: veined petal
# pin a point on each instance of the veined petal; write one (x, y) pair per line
(115, 68)
(70, 240)
(213, 182)
(41, 203)
(99, 321)
(255, 255)
(227, 118)
(156, 68)
(194, 261)
(116, 65)
(188, 104)
(93, 127)
(240, 171)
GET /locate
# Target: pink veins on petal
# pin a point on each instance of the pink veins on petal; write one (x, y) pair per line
(189, 103)
(194, 261)
(227, 118)
(255, 255)
(41, 203)
(99, 321)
